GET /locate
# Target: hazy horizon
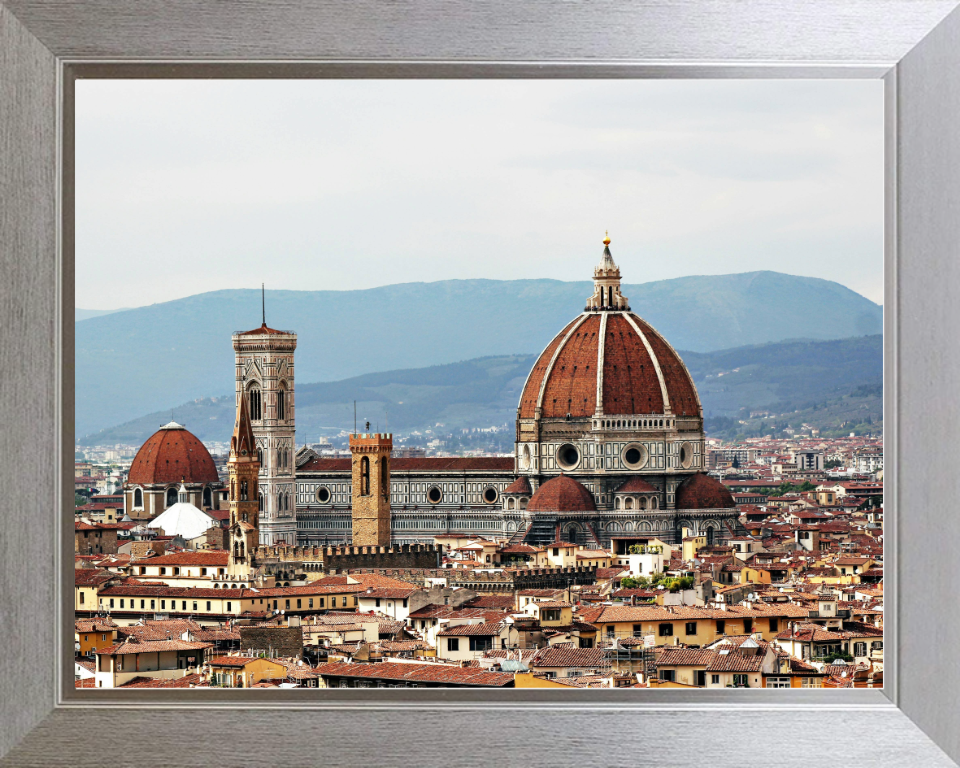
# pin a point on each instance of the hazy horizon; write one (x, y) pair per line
(387, 285)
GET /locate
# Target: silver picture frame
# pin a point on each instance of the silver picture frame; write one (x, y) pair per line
(912, 45)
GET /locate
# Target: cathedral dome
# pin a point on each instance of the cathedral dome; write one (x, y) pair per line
(701, 491)
(562, 494)
(172, 455)
(608, 361)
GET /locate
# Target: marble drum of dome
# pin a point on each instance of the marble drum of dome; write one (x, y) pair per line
(608, 399)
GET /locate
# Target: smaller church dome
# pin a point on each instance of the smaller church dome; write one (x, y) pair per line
(700, 491)
(170, 455)
(520, 485)
(562, 494)
(636, 485)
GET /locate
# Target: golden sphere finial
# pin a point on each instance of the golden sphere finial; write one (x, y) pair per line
(606, 240)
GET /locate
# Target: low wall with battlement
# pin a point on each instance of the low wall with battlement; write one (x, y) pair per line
(345, 558)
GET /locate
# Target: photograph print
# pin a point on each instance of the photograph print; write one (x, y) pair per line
(554, 384)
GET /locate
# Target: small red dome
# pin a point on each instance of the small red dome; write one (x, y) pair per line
(170, 455)
(520, 485)
(562, 494)
(701, 491)
(636, 485)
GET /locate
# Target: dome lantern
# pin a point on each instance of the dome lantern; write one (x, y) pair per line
(606, 284)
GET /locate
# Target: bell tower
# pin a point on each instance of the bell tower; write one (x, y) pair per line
(264, 376)
(370, 461)
(243, 471)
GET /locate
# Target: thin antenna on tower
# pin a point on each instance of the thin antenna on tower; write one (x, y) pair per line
(354, 417)
(263, 303)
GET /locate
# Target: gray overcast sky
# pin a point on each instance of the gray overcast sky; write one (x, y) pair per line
(190, 186)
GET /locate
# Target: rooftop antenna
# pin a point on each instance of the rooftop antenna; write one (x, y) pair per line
(263, 303)
(354, 417)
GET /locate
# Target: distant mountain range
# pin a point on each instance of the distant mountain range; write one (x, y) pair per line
(153, 358)
(86, 314)
(826, 382)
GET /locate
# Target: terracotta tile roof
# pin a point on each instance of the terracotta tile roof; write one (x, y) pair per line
(444, 674)
(540, 592)
(91, 577)
(521, 485)
(187, 593)
(552, 604)
(397, 646)
(132, 645)
(562, 494)
(216, 557)
(685, 657)
(464, 630)
(158, 682)
(164, 629)
(172, 455)
(565, 655)
(87, 682)
(231, 661)
(213, 635)
(501, 602)
(519, 549)
(610, 573)
(388, 593)
(736, 661)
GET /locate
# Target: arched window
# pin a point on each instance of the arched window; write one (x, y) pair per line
(384, 478)
(255, 405)
(243, 490)
(207, 498)
(138, 498)
(365, 476)
(171, 496)
(654, 503)
(260, 503)
(260, 456)
(281, 403)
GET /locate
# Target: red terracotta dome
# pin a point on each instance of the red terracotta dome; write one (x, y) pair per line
(170, 455)
(562, 494)
(701, 491)
(520, 485)
(632, 357)
(636, 485)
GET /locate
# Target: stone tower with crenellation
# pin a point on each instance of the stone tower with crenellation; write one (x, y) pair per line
(370, 461)
(264, 376)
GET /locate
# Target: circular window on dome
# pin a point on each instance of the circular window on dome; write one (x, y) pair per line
(686, 455)
(434, 495)
(634, 456)
(323, 495)
(568, 456)
(490, 495)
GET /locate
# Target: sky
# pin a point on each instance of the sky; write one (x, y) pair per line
(188, 186)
